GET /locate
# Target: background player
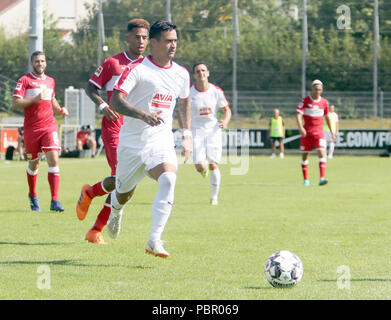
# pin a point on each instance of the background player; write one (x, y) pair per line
(85, 140)
(35, 94)
(334, 121)
(146, 94)
(277, 132)
(105, 77)
(312, 109)
(206, 99)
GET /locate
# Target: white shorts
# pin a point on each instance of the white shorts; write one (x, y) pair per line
(207, 145)
(329, 137)
(134, 162)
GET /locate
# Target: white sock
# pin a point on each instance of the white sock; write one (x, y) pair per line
(215, 179)
(116, 207)
(54, 169)
(331, 149)
(162, 205)
(31, 173)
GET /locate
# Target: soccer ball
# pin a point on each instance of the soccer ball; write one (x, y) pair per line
(283, 269)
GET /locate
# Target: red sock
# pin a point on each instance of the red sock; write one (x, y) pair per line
(32, 182)
(322, 167)
(96, 190)
(54, 181)
(304, 168)
(103, 216)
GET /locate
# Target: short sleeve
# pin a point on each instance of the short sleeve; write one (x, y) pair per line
(326, 107)
(300, 107)
(221, 100)
(127, 80)
(102, 75)
(20, 88)
(185, 90)
(54, 89)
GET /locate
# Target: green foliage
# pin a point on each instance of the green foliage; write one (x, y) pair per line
(269, 52)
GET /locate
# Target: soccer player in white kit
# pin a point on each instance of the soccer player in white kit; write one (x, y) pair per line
(206, 99)
(146, 95)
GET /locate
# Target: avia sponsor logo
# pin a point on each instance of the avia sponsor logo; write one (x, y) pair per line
(205, 111)
(363, 139)
(314, 112)
(162, 100)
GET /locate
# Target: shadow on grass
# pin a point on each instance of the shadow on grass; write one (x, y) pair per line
(134, 203)
(256, 288)
(363, 279)
(72, 263)
(20, 243)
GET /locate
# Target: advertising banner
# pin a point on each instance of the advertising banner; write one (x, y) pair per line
(375, 139)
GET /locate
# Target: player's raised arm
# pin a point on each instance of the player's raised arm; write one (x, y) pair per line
(184, 119)
(121, 105)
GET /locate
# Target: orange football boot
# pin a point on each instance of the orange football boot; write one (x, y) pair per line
(95, 237)
(84, 203)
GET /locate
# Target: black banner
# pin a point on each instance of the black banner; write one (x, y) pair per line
(375, 139)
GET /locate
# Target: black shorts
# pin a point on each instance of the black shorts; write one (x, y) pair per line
(274, 139)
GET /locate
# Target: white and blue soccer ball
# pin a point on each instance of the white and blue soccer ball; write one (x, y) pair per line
(283, 269)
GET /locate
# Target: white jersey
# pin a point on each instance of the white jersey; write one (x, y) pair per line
(153, 89)
(205, 105)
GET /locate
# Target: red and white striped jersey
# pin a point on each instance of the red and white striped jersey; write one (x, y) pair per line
(108, 72)
(39, 114)
(104, 78)
(313, 112)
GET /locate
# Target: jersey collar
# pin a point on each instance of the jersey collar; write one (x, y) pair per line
(130, 59)
(320, 98)
(150, 59)
(39, 78)
(195, 87)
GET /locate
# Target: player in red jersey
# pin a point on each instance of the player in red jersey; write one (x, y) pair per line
(312, 109)
(35, 94)
(105, 77)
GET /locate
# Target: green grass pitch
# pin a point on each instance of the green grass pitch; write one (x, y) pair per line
(340, 231)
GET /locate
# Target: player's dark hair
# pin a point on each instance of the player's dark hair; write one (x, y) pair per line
(36, 53)
(160, 26)
(198, 63)
(138, 23)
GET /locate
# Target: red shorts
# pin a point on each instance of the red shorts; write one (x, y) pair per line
(313, 139)
(110, 141)
(110, 137)
(38, 141)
